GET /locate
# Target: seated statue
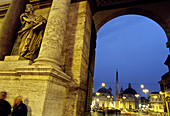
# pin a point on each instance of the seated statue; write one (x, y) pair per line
(31, 33)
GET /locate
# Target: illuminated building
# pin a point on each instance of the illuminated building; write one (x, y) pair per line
(128, 98)
(155, 102)
(165, 88)
(103, 98)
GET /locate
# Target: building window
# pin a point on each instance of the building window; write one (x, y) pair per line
(160, 107)
(130, 107)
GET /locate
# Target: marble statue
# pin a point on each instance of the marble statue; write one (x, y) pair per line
(31, 33)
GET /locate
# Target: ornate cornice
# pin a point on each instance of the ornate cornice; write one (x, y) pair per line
(38, 4)
(98, 5)
(3, 8)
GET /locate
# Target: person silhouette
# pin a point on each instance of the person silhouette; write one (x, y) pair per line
(5, 107)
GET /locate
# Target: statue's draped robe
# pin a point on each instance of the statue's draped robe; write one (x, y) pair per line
(31, 36)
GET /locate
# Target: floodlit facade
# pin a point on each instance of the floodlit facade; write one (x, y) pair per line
(103, 99)
(128, 99)
(155, 102)
(165, 88)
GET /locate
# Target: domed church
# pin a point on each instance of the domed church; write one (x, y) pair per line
(103, 98)
(129, 98)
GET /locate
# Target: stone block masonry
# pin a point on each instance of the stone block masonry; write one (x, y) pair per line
(43, 88)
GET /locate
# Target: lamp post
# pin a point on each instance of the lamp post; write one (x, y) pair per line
(124, 97)
(97, 93)
(137, 96)
(145, 91)
(97, 104)
(142, 87)
(108, 101)
(163, 100)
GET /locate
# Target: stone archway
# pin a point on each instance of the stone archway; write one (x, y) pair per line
(148, 10)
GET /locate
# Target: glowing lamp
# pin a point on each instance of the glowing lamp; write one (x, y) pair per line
(161, 92)
(108, 96)
(145, 91)
(155, 96)
(142, 86)
(97, 93)
(137, 95)
(103, 84)
(124, 97)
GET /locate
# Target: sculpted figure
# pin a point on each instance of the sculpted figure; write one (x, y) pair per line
(31, 33)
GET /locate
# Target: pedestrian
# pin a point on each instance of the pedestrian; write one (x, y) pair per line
(103, 113)
(5, 107)
(19, 108)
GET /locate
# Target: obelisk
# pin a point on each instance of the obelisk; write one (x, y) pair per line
(117, 86)
(117, 91)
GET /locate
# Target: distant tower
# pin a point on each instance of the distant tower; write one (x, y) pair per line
(117, 86)
(121, 90)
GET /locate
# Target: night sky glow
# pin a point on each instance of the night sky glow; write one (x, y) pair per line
(134, 44)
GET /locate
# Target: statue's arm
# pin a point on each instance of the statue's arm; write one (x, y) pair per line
(27, 19)
(41, 22)
(21, 18)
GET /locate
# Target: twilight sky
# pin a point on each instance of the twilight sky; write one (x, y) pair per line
(134, 44)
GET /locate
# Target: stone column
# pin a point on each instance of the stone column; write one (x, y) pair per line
(10, 26)
(52, 43)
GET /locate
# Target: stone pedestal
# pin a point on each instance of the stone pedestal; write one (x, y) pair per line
(44, 89)
(52, 44)
(14, 58)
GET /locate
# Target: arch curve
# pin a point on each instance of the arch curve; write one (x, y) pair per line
(102, 17)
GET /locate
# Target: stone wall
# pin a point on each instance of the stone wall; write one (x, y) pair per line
(78, 42)
(2, 1)
(1, 21)
(77, 56)
(91, 70)
(43, 88)
(31, 87)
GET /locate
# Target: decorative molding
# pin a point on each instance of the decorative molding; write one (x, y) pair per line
(38, 4)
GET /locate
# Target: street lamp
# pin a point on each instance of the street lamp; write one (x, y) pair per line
(142, 86)
(145, 91)
(136, 95)
(103, 84)
(108, 96)
(97, 93)
(155, 96)
(97, 100)
(124, 106)
(161, 93)
(124, 97)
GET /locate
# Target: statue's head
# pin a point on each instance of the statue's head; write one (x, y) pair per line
(29, 8)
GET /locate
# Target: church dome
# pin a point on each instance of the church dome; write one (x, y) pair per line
(129, 90)
(103, 90)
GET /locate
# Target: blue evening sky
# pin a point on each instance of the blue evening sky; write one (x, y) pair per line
(134, 44)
